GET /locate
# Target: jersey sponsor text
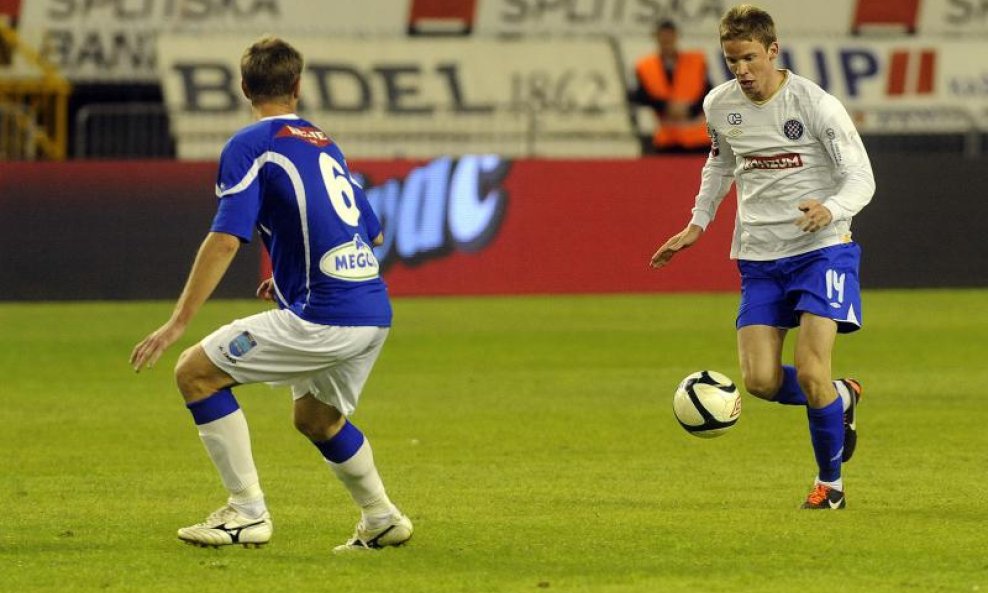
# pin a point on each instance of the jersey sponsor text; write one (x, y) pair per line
(310, 134)
(352, 261)
(789, 160)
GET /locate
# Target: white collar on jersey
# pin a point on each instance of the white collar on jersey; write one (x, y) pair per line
(284, 116)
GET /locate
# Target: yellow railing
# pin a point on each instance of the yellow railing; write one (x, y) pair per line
(33, 104)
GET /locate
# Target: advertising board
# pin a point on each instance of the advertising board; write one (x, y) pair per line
(888, 85)
(628, 18)
(116, 40)
(417, 97)
(472, 225)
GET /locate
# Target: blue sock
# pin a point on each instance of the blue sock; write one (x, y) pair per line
(216, 406)
(343, 445)
(790, 393)
(827, 435)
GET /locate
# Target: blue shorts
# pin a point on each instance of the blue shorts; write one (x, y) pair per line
(822, 282)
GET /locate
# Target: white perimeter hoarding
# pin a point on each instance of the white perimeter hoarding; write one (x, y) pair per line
(116, 40)
(954, 18)
(888, 85)
(388, 98)
(638, 17)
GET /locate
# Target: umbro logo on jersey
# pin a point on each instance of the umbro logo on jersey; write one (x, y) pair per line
(310, 134)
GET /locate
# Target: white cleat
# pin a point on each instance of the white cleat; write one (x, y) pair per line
(226, 527)
(395, 533)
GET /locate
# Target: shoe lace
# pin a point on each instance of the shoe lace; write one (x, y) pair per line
(220, 515)
(357, 542)
(818, 495)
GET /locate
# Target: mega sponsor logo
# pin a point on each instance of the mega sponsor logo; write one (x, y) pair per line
(353, 261)
(789, 160)
(442, 207)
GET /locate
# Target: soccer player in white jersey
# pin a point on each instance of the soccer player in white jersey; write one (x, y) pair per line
(285, 177)
(801, 172)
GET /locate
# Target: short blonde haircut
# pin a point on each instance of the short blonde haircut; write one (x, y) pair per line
(747, 23)
(270, 68)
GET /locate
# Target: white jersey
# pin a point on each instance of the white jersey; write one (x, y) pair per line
(800, 144)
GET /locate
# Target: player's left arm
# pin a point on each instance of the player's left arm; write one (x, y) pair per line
(856, 186)
(215, 255)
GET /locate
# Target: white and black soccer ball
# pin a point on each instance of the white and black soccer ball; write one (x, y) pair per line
(707, 404)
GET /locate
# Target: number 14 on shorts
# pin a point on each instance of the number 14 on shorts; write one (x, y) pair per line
(835, 288)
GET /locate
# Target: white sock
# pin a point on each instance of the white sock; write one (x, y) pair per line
(837, 484)
(843, 393)
(359, 476)
(227, 442)
(249, 502)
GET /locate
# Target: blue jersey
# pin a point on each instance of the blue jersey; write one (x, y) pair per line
(288, 179)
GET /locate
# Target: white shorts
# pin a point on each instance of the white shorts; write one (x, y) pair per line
(277, 347)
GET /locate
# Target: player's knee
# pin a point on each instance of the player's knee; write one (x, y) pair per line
(319, 427)
(311, 428)
(761, 386)
(816, 384)
(810, 377)
(192, 382)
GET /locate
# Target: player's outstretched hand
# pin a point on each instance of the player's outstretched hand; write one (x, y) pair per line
(266, 290)
(815, 216)
(150, 349)
(675, 244)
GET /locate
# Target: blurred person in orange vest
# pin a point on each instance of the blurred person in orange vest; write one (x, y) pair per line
(673, 83)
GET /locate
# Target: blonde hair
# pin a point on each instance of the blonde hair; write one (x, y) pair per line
(270, 68)
(746, 22)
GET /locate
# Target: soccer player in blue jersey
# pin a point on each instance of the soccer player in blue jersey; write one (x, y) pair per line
(801, 172)
(285, 177)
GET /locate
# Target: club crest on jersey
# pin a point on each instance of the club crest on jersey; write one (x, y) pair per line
(310, 134)
(352, 261)
(793, 129)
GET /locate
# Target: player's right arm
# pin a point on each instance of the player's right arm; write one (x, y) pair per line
(211, 263)
(715, 181)
(679, 241)
(238, 190)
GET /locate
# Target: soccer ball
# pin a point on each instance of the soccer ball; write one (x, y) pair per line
(707, 404)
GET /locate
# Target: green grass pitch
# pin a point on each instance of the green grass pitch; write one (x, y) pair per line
(530, 439)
